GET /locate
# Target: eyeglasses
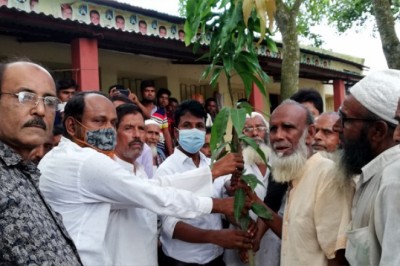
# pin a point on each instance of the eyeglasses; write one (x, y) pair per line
(343, 118)
(252, 129)
(26, 97)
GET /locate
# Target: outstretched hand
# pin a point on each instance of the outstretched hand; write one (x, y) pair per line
(228, 165)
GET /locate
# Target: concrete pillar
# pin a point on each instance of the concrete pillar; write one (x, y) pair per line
(339, 93)
(85, 58)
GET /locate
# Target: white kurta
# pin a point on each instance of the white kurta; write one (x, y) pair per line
(131, 235)
(84, 185)
(270, 244)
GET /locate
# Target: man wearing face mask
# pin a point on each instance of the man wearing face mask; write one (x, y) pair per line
(198, 241)
(81, 182)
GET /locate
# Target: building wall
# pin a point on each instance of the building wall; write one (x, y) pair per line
(131, 69)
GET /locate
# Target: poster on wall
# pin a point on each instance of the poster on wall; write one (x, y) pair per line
(99, 15)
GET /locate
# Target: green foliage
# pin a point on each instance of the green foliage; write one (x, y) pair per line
(239, 203)
(254, 145)
(251, 180)
(231, 49)
(261, 211)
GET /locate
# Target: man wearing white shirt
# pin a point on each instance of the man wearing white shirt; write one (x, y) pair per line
(81, 182)
(131, 232)
(267, 243)
(198, 241)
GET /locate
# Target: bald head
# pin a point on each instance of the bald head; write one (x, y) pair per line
(288, 122)
(326, 138)
(25, 121)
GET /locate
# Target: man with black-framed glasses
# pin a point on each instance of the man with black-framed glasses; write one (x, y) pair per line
(30, 231)
(367, 123)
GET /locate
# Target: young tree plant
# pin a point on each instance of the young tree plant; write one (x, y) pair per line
(236, 28)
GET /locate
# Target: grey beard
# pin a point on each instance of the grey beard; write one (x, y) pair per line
(344, 177)
(153, 149)
(251, 156)
(288, 168)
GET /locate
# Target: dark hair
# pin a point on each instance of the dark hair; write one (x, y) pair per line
(94, 12)
(162, 91)
(58, 130)
(64, 84)
(142, 22)
(162, 27)
(173, 100)
(121, 98)
(190, 106)
(126, 109)
(119, 16)
(208, 130)
(117, 86)
(76, 106)
(309, 95)
(209, 100)
(146, 83)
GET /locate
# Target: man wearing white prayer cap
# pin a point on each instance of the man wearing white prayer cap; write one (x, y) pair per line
(367, 124)
(152, 138)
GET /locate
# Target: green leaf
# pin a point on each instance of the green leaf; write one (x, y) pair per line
(251, 180)
(244, 222)
(271, 45)
(206, 72)
(245, 105)
(249, 141)
(261, 211)
(219, 127)
(219, 152)
(239, 203)
(188, 33)
(238, 119)
(215, 76)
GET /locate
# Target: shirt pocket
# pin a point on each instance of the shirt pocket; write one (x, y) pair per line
(358, 246)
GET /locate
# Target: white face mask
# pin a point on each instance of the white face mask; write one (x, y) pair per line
(191, 140)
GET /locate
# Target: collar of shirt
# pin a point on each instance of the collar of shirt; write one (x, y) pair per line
(295, 182)
(379, 163)
(11, 158)
(181, 157)
(127, 166)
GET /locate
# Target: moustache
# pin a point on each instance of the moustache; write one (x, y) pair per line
(36, 122)
(135, 142)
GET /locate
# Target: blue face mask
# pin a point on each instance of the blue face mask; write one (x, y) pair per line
(191, 140)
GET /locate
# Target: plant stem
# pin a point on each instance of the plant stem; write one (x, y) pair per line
(251, 257)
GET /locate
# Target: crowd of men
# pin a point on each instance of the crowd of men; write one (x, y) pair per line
(94, 179)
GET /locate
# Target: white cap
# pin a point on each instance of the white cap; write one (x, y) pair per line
(254, 114)
(379, 92)
(150, 122)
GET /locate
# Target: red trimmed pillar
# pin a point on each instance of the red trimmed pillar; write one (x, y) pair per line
(256, 99)
(339, 93)
(85, 59)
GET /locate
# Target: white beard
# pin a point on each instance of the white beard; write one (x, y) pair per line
(250, 155)
(288, 168)
(153, 150)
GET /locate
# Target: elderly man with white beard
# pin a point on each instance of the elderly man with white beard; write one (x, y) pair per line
(317, 208)
(268, 244)
(152, 137)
